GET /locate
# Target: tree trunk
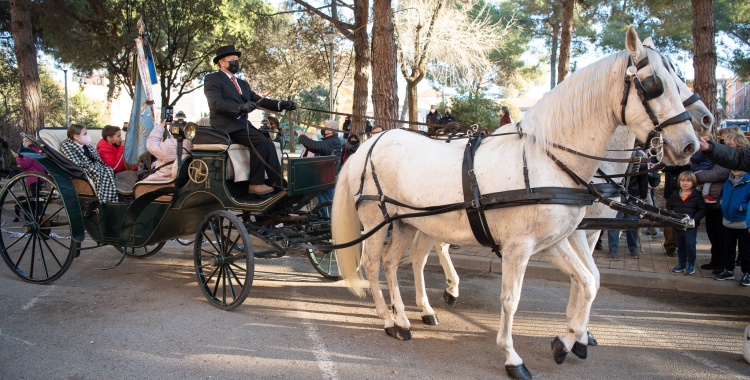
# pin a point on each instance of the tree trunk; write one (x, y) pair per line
(361, 64)
(28, 71)
(411, 100)
(565, 36)
(553, 56)
(384, 86)
(704, 58)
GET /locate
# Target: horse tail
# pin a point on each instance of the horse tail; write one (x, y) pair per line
(345, 226)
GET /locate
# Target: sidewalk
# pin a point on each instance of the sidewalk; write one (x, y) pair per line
(652, 270)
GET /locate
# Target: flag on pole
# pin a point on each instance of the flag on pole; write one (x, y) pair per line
(142, 113)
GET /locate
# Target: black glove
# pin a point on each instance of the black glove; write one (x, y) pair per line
(287, 105)
(248, 107)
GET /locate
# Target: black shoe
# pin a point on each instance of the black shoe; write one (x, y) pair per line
(613, 256)
(717, 271)
(635, 254)
(599, 247)
(724, 275)
(745, 280)
(670, 252)
(710, 266)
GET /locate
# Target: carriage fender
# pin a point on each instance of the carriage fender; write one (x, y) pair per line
(67, 192)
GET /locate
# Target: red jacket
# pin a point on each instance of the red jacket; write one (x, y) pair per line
(112, 155)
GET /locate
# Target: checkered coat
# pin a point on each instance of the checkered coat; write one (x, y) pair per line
(102, 175)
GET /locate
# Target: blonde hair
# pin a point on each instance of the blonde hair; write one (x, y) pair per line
(725, 131)
(737, 139)
(688, 176)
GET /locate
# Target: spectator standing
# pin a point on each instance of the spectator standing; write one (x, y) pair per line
(734, 203)
(688, 201)
(637, 186)
(448, 117)
(505, 118)
(3, 149)
(352, 144)
(29, 165)
(714, 217)
(433, 117)
(670, 185)
(347, 128)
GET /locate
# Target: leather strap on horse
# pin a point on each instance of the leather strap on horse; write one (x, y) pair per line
(472, 196)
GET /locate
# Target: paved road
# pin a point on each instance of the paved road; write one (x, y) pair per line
(148, 319)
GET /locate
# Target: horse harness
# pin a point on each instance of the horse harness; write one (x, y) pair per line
(475, 203)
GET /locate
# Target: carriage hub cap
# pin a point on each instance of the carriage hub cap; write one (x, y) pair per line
(217, 260)
(31, 228)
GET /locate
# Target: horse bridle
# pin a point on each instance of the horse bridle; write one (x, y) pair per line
(648, 89)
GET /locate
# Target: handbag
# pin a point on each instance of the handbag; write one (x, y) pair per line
(654, 179)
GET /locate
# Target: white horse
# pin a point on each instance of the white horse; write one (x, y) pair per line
(618, 148)
(590, 98)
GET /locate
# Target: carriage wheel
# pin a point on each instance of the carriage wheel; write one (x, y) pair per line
(143, 252)
(324, 261)
(35, 231)
(225, 273)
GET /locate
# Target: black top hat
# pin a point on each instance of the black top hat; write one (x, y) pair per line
(225, 51)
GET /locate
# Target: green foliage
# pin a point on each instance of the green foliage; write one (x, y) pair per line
(470, 110)
(317, 98)
(733, 19)
(82, 110)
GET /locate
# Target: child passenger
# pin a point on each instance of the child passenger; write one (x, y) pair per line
(687, 201)
(77, 149)
(165, 152)
(111, 149)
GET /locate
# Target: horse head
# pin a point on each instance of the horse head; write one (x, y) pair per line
(653, 108)
(702, 118)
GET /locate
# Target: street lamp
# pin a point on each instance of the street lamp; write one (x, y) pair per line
(65, 67)
(329, 37)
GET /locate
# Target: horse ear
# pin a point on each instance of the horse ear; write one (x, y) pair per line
(649, 42)
(634, 44)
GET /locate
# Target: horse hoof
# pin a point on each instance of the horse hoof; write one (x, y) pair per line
(580, 350)
(449, 299)
(518, 372)
(592, 340)
(430, 320)
(558, 351)
(398, 333)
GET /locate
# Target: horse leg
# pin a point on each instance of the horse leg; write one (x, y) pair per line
(419, 252)
(515, 260)
(373, 248)
(568, 261)
(400, 240)
(451, 277)
(588, 259)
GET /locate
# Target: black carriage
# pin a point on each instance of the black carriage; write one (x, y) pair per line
(43, 225)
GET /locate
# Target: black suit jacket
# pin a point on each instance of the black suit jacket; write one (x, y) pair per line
(224, 101)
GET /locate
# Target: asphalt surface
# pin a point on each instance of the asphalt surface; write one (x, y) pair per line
(148, 319)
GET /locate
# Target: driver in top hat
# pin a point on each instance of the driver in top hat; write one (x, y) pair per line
(230, 100)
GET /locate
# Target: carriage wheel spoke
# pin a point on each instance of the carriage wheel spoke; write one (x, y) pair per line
(223, 286)
(33, 256)
(239, 282)
(229, 279)
(220, 241)
(23, 252)
(20, 205)
(234, 243)
(210, 242)
(44, 261)
(212, 255)
(15, 216)
(218, 281)
(16, 241)
(208, 279)
(52, 253)
(53, 214)
(46, 201)
(213, 229)
(238, 267)
(228, 238)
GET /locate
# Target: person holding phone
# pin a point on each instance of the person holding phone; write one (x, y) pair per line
(230, 100)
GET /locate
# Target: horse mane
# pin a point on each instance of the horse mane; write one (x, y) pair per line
(560, 111)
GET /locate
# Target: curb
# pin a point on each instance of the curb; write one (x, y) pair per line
(609, 277)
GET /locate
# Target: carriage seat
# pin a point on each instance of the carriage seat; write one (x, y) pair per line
(143, 187)
(238, 167)
(53, 137)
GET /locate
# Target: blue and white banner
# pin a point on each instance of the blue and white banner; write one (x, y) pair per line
(142, 113)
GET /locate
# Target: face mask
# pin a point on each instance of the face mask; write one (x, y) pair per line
(234, 66)
(86, 140)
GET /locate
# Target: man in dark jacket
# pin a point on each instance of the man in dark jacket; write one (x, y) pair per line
(448, 118)
(433, 117)
(637, 186)
(330, 145)
(230, 100)
(729, 157)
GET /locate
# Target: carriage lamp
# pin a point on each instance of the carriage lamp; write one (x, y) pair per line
(181, 129)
